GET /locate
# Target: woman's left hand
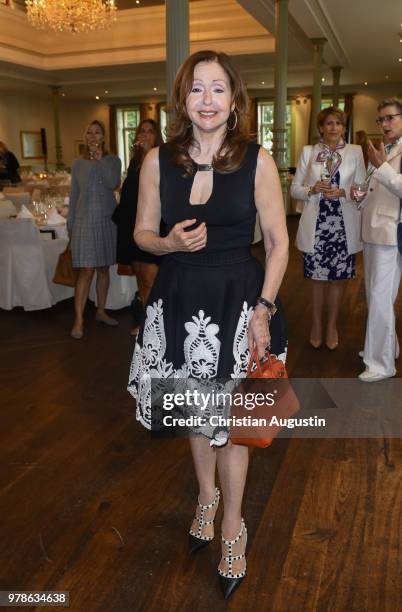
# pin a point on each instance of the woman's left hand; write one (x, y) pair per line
(258, 334)
(376, 156)
(335, 193)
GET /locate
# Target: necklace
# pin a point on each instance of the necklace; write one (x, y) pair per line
(204, 167)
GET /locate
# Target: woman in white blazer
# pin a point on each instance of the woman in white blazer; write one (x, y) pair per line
(329, 231)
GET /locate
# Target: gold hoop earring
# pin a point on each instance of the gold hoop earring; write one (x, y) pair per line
(235, 122)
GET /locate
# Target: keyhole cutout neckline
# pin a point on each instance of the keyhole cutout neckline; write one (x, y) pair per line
(202, 168)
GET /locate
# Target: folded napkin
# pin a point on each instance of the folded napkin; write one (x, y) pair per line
(24, 213)
(54, 218)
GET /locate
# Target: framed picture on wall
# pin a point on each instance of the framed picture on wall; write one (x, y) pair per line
(31, 145)
(79, 148)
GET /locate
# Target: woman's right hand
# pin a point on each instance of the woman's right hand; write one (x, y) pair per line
(180, 240)
(321, 186)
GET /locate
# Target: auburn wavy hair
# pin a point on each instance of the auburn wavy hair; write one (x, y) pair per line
(180, 134)
(326, 112)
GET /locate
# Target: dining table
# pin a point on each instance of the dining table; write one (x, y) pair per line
(28, 257)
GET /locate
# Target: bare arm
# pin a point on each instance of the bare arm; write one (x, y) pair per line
(269, 202)
(147, 224)
(74, 193)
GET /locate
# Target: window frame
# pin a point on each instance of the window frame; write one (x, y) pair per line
(123, 132)
(289, 126)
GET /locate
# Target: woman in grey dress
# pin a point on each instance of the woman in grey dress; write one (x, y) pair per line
(92, 231)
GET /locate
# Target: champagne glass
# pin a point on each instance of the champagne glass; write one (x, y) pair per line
(325, 176)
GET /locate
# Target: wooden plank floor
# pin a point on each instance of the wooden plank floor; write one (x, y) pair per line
(90, 504)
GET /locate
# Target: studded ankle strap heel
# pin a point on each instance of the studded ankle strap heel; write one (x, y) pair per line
(197, 539)
(230, 579)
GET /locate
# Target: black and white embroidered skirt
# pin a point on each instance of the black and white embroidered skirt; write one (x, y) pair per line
(196, 323)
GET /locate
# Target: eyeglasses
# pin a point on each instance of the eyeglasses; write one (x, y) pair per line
(386, 118)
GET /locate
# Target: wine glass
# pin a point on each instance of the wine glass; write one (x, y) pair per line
(358, 191)
(39, 212)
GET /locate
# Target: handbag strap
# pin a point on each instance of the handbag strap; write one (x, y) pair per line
(255, 359)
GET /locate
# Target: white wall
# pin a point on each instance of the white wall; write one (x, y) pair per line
(300, 126)
(22, 112)
(74, 118)
(30, 112)
(365, 112)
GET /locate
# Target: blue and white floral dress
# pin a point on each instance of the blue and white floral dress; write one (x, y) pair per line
(330, 259)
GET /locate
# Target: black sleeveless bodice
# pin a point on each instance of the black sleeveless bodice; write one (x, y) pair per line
(229, 213)
(201, 304)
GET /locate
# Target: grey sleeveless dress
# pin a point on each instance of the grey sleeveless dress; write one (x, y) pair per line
(92, 202)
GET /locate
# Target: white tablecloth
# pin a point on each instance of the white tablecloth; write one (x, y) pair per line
(121, 290)
(59, 230)
(27, 265)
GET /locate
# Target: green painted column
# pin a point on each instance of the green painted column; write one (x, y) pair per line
(318, 47)
(336, 73)
(55, 89)
(177, 40)
(279, 149)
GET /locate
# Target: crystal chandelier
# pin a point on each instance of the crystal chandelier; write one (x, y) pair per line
(71, 15)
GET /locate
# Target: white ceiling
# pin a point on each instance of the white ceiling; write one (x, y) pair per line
(363, 35)
(362, 38)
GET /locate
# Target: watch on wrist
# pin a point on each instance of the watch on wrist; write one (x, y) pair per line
(270, 306)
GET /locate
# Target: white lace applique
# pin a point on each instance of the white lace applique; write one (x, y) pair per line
(241, 353)
(202, 347)
(201, 354)
(149, 362)
(283, 355)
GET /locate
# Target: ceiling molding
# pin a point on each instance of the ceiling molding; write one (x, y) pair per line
(137, 37)
(329, 31)
(264, 12)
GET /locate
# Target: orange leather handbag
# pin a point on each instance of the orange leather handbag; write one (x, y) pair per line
(278, 386)
(64, 273)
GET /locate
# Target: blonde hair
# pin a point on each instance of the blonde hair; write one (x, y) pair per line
(86, 154)
(390, 102)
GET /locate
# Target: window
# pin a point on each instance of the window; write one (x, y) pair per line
(325, 102)
(266, 124)
(127, 121)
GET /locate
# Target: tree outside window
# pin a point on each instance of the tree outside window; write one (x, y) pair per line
(127, 122)
(266, 125)
(325, 102)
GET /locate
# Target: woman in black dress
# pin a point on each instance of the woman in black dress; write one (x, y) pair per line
(145, 265)
(211, 302)
(8, 166)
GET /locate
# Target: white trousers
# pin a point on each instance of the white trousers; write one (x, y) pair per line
(382, 273)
